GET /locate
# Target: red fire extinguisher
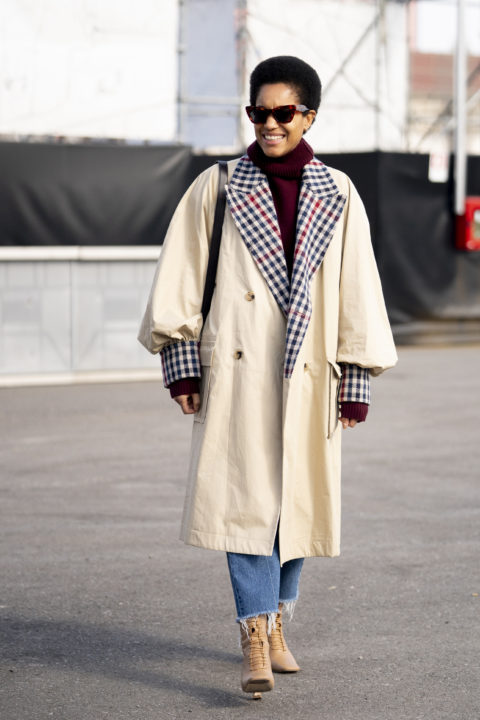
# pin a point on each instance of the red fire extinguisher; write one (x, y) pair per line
(467, 231)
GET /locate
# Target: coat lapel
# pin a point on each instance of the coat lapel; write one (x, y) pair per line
(251, 204)
(320, 207)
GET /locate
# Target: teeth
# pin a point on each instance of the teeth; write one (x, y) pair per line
(273, 137)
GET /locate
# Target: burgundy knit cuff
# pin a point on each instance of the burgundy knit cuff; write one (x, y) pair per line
(186, 386)
(354, 411)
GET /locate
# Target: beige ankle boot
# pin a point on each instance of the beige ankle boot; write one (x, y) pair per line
(256, 669)
(280, 656)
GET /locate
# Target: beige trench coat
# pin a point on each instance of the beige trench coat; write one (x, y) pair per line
(266, 449)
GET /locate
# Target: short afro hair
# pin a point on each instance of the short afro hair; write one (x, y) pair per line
(291, 71)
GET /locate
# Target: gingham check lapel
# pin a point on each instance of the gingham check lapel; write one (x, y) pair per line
(319, 208)
(251, 204)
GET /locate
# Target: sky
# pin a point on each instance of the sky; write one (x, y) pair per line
(437, 26)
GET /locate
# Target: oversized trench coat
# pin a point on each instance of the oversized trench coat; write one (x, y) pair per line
(266, 441)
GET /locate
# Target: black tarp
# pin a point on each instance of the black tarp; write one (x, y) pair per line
(424, 275)
(59, 194)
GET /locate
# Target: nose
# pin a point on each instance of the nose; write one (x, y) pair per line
(270, 122)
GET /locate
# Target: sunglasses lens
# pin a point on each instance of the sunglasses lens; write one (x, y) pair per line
(258, 115)
(284, 114)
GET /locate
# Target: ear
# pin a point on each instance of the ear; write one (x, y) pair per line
(309, 119)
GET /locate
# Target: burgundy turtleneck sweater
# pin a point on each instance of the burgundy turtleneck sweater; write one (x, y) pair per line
(284, 176)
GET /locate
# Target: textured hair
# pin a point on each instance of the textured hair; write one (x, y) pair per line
(291, 71)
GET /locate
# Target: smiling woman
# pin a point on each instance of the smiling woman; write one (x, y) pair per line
(280, 82)
(283, 359)
(274, 136)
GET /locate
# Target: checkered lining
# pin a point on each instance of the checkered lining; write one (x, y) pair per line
(355, 384)
(180, 360)
(319, 209)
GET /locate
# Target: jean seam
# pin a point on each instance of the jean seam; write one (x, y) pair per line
(235, 589)
(275, 595)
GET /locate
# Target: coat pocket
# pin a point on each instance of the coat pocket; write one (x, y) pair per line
(334, 376)
(206, 357)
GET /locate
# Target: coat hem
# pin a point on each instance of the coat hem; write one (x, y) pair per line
(228, 543)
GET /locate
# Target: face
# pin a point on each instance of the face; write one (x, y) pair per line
(277, 139)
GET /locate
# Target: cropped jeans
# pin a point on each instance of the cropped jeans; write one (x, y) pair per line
(259, 583)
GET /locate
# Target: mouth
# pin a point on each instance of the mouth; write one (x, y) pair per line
(272, 139)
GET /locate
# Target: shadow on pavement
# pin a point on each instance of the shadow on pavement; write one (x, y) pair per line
(117, 654)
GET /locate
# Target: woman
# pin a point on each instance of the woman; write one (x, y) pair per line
(297, 325)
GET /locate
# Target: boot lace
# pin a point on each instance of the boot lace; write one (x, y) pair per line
(257, 654)
(277, 639)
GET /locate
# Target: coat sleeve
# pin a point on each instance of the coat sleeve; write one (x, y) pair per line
(172, 322)
(364, 334)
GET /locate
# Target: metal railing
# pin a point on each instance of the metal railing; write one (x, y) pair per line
(86, 253)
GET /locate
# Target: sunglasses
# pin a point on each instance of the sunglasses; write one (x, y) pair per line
(282, 114)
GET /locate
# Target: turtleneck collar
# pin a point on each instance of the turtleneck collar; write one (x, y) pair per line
(285, 166)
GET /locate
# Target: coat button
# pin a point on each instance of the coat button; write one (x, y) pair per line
(305, 366)
(237, 354)
(250, 295)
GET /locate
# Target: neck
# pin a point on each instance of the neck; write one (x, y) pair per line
(288, 166)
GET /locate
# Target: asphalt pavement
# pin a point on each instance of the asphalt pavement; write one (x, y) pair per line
(104, 613)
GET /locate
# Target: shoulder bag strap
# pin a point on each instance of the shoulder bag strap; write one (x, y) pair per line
(216, 238)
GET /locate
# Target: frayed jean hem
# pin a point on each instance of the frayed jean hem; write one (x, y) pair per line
(271, 620)
(288, 606)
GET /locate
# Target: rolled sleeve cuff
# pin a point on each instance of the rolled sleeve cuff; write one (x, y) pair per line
(179, 361)
(189, 386)
(354, 411)
(355, 385)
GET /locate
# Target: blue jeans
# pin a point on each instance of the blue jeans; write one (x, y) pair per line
(259, 583)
